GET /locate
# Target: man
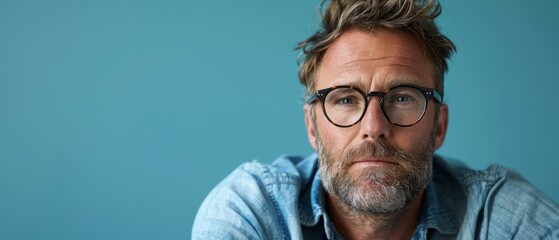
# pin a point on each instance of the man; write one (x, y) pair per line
(375, 114)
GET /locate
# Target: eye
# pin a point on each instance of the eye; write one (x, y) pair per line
(403, 96)
(344, 98)
(346, 101)
(403, 99)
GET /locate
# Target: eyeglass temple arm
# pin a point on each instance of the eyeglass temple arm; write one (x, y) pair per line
(437, 96)
(312, 98)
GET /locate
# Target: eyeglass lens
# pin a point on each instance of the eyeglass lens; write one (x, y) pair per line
(401, 105)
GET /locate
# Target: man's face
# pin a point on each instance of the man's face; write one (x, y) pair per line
(375, 166)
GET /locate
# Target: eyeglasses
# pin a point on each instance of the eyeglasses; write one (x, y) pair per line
(402, 105)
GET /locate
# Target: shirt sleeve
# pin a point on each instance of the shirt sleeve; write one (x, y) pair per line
(242, 206)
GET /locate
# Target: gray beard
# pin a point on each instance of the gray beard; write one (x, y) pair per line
(376, 190)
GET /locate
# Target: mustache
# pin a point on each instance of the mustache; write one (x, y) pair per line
(379, 149)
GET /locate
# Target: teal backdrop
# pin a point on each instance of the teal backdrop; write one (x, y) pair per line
(118, 117)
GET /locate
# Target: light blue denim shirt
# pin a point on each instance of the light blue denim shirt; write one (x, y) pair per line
(286, 200)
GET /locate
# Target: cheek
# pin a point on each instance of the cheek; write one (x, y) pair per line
(411, 137)
(334, 138)
(407, 139)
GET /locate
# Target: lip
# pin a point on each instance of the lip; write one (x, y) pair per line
(374, 162)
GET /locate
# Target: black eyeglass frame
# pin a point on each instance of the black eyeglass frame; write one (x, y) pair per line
(321, 94)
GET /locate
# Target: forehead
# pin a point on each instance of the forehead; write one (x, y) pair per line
(378, 59)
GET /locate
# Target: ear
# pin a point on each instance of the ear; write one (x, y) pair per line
(311, 134)
(442, 126)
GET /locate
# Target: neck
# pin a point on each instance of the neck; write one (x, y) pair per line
(355, 224)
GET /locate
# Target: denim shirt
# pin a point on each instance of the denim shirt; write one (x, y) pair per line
(286, 200)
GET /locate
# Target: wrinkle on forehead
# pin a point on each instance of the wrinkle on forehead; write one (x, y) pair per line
(357, 51)
(352, 46)
(386, 58)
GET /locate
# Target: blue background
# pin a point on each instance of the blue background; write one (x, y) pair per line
(118, 117)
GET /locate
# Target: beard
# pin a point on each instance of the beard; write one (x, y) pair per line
(376, 190)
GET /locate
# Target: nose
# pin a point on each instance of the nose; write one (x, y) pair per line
(374, 124)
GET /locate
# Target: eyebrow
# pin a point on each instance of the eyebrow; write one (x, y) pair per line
(393, 83)
(402, 81)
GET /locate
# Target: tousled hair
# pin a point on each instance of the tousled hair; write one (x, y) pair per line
(415, 16)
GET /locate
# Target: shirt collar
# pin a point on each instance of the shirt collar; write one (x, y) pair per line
(312, 207)
(445, 201)
(312, 202)
(437, 212)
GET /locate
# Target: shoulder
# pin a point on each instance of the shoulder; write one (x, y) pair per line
(503, 205)
(516, 209)
(256, 201)
(468, 177)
